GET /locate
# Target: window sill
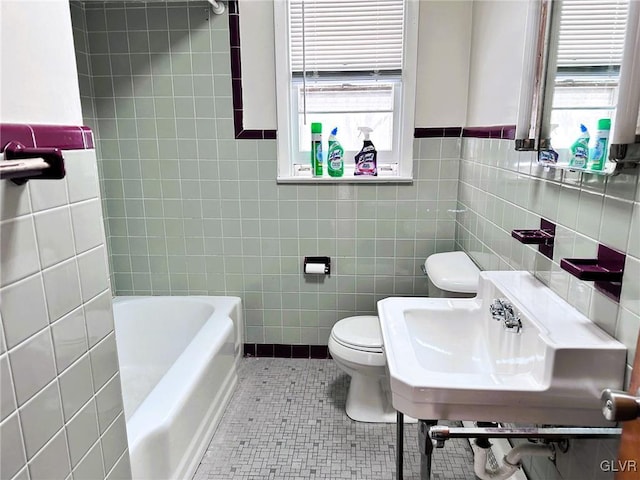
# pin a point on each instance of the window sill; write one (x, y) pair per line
(344, 179)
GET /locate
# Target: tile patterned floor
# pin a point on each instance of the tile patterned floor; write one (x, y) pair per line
(286, 421)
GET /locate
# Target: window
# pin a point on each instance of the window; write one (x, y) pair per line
(590, 44)
(346, 64)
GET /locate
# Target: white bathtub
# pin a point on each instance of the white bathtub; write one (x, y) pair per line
(178, 365)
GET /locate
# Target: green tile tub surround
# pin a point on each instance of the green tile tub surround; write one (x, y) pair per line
(191, 210)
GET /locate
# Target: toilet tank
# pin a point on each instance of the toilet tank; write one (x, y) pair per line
(451, 274)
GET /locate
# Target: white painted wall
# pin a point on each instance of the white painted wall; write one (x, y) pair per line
(444, 45)
(497, 47)
(443, 63)
(257, 53)
(38, 77)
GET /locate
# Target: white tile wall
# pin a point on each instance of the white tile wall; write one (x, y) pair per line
(23, 309)
(108, 402)
(500, 190)
(99, 317)
(88, 230)
(111, 441)
(52, 461)
(32, 365)
(12, 450)
(69, 338)
(65, 299)
(49, 193)
(91, 465)
(16, 201)
(82, 432)
(60, 397)
(76, 386)
(53, 230)
(7, 395)
(104, 361)
(18, 249)
(41, 418)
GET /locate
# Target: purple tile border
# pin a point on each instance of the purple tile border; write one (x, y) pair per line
(437, 132)
(498, 131)
(18, 133)
(64, 137)
(236, 80)
(278, 350)
(505, 132)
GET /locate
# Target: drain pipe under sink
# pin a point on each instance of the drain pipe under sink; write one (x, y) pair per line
(511, 461)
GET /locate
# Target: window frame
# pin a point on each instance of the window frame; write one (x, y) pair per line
(284, 104)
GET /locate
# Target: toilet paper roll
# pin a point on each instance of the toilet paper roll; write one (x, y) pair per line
(314, 268)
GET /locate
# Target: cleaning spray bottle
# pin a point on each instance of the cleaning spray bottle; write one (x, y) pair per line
(316, 149)
(367, 158)
(335, 161)
(580, 149)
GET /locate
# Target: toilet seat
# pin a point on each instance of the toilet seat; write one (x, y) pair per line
(359, 333)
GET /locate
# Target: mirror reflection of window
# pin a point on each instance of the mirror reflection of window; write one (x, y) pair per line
(590, 45)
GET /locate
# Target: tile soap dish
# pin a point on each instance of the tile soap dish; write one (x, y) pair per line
(533, 237)
(606, 270)
(543, 237)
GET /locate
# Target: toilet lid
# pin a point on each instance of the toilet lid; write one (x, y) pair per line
(453, 272)
(363, 332)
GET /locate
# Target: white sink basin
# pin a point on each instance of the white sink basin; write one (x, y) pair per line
(450, 360)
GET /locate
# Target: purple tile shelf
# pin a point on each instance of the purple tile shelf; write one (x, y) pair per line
(543, 237)
(606, 270)
(533, 237)
(590, 270)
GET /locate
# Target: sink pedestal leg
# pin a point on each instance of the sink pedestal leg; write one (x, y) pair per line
(426, 448)
(399, 444)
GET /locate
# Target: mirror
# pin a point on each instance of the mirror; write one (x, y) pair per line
(579, 73)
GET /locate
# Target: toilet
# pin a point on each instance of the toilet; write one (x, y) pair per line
(451, 275)
(355, 343)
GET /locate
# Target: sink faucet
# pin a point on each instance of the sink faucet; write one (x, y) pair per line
(502, 310)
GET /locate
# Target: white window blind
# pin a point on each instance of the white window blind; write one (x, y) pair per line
(592, 32)
(346, 36)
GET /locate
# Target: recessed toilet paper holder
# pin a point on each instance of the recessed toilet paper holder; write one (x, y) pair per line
(317, 265)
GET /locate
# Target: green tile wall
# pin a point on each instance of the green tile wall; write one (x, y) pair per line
(501, 190)
(191, 211)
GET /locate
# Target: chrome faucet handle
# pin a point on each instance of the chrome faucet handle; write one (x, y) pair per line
(508, 308)
(502, 310)
(497, 309)
(513, 324)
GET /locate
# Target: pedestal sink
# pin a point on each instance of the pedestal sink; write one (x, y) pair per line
(450, 359)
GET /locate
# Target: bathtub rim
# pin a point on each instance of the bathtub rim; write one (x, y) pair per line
(210, 334)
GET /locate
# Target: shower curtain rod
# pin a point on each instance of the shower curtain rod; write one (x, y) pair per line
(217, 6)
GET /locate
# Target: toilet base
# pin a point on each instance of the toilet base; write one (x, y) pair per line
(369, 400)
